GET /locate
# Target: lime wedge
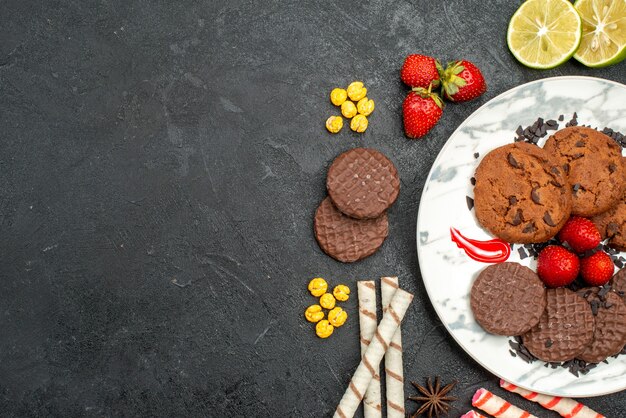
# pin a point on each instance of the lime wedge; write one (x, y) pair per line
(544, 33)
(604, 32)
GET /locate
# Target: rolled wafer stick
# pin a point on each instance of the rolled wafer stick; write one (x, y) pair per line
(393, 357)
(496, 406)
(368, 321)
(365, 372)
(472, 414)
(563, 406)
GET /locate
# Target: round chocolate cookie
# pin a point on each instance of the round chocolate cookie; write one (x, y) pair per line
(565, 328)
(362, 183)
(507, 299)
(612, 223)
(347, 239)
(592, 162)
(618, 283)
(609, 336)
(521, 195)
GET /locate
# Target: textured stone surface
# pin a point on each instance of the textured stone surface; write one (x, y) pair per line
(143, 142)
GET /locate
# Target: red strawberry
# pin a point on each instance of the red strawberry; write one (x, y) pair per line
(419, 71)
(421, 111)
(580, 233)
(462, 81)
(556, 266)
(597, 269)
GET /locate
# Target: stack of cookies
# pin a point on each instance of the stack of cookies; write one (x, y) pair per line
(555, 325)
(525, 194)
(351, 223)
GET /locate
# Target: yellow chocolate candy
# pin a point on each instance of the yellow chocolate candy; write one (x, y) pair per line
(334, 124)
(327, 301)
(341, 292)
(318, 286)
(356, 91)
(314, 313)
(338, 96)
(348, 109)
(365, 106)
(323, 329)
(337, 317)
(358, 123)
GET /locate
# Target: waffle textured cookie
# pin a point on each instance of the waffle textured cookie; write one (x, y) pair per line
(521, 195)
(565, 328)
(618, 283)
(592, 162)
(609, 335)
(347, 239)
(362, 183)
(507, 299)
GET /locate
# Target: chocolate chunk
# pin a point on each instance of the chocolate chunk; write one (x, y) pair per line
(534, 195)
(580, 144)
(561, 118)
(578, 155)
(555, 183)
(476, 155)
(473, 181)
(512, 161)
(576, 187)
(512, 200)
(612, 168)
(530, 228)
(517, 218)
(566, 167)
(548, 219)
(554, 170)
(522, 253)
(470, 202)
(548, 343)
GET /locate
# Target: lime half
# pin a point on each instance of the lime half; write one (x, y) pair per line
(544, 33)
(604, 32)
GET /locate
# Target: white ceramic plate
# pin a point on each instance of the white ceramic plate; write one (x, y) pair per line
(448, 272)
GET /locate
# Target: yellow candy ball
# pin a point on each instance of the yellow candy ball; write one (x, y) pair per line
(338, 96)
(337, 317)
(341, 292)
(327, 301)
(358, 123)
(324, 329)
(365, 106)
(356, 91)
(334, 124)
(348, 109)
(318, 286)
(314, 313)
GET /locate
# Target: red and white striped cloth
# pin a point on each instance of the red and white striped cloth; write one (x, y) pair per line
(568, 408)
(496, 406)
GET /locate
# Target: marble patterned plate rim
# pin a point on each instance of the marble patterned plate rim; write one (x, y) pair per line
(420, 215)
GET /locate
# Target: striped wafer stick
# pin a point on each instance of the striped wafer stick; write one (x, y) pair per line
(564, 406)
(472, 414)
(393, 357)
(368, 321)
(496, 406)
(365, 372)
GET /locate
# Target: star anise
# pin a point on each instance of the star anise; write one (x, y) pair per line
(436, 402)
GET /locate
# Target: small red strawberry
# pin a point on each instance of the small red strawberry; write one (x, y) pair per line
(419, 71)
(580, 233)
(462, 81)
(421, 111)
(557, 266)
(597, 269)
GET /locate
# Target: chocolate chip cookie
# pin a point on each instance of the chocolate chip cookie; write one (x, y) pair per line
(521, 194)
(612, 223)
(592, 162)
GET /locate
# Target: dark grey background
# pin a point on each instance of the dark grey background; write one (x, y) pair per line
(144, 142)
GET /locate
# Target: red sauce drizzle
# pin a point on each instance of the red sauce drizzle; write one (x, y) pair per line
(492, 251)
